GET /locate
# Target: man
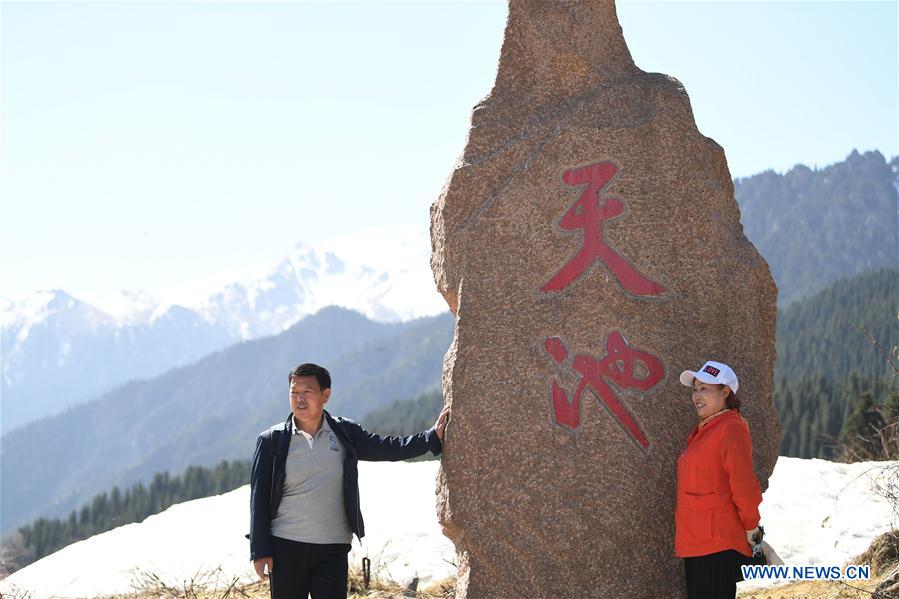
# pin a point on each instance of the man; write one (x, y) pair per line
(304, 489)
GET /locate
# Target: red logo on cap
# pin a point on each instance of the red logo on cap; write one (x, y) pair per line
(711, 370)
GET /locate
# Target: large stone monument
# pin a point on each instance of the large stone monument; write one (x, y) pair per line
(590, 247)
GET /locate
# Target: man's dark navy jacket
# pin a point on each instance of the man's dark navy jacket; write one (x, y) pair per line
(270, 457)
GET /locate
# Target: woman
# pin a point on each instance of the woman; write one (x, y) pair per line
(718, 495)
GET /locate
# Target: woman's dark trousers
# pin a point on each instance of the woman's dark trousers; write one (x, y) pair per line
(714, 576)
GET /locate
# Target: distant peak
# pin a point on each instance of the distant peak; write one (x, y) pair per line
(48, 297)
(128, 306)
(856, 156)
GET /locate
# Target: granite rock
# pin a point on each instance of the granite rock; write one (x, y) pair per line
(590, 247)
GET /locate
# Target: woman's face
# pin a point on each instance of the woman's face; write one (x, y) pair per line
(709, 398)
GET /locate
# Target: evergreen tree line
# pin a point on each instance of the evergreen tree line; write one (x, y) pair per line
(110, 510)
(405, 417)
(828, 334)
(823, 419)
(834, 388)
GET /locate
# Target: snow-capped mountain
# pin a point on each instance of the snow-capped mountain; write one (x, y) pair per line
(58, 350)
(130, 307)
(382, 274)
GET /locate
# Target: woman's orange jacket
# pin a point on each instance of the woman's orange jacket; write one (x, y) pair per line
(718, 495)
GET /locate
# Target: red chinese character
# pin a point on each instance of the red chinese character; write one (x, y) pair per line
(618, 365)
(589, 213)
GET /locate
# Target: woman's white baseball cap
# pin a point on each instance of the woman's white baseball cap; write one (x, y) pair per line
(712, 372)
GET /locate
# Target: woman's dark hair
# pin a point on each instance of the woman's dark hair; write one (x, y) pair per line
(731, 402)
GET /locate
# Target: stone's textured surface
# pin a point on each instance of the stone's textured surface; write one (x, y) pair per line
(590, 246)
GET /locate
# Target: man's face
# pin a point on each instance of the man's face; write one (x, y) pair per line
(307, 400)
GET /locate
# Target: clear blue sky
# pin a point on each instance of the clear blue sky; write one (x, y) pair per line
(151, 144)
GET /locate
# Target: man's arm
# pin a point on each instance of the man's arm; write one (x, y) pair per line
(260, 499)
(375, 448)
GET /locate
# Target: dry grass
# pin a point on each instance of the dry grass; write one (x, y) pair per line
(445, 590)
(883, 557)
(378, 589)
(882, 554)
(213, 585)
(199, 588)
(815, 589)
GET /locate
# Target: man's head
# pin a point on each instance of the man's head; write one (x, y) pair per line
(310, 389)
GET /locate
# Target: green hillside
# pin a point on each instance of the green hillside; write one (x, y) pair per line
(827, 334)
(406, 416)
(826, 362)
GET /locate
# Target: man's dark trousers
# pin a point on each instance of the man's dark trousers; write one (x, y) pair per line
(303, 568)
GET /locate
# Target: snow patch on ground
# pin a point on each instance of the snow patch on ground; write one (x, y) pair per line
(403, 540)
(815, 512)
(823, 513)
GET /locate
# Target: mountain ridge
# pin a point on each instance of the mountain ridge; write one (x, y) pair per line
(179, 419)
(816, 226)
(59, 350)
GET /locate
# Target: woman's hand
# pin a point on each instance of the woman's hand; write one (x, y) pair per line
(754, 536)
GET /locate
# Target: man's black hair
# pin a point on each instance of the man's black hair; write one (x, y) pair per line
(321, 375)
